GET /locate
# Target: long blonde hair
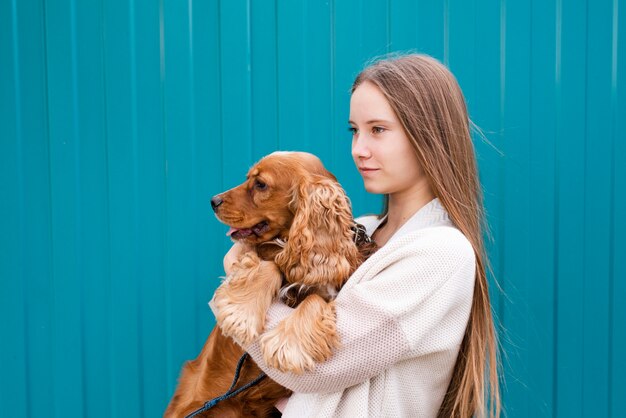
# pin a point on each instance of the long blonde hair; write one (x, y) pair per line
(430, 105)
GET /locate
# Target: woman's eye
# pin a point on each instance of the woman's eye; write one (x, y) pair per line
(259, 185)
(352, 130)
(378, 130)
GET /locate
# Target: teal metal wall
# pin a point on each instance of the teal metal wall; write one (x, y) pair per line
(120, 119)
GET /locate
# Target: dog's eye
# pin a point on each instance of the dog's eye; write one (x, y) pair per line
(259, 185)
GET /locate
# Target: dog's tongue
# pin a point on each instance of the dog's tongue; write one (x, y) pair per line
(241, 233)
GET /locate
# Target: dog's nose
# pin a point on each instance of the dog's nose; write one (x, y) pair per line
(215, 202)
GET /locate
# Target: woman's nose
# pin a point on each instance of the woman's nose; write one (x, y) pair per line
(359, 148)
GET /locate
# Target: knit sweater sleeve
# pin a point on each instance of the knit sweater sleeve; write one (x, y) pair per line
(415, 302)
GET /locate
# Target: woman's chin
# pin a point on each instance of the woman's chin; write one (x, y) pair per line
(374, 188)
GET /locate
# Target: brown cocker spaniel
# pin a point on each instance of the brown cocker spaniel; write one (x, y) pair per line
(303, 244)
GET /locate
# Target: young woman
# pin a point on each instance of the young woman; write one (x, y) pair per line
(415, 323)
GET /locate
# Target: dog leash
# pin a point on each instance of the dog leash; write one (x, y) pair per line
(230, 393)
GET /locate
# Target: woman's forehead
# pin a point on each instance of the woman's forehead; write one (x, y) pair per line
(368, 104)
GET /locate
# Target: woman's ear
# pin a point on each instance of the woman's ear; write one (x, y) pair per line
(320, 249)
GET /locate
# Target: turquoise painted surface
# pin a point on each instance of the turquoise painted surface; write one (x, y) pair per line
(120, 119)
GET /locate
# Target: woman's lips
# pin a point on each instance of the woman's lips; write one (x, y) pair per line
(367, 170)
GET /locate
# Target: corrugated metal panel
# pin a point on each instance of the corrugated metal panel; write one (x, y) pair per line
(119, 120)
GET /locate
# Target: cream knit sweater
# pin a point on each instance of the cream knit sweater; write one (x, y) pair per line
(401, 318)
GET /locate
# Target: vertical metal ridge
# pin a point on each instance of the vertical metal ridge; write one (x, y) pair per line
(333, 64)
(77, 190)
(193, 139)
(193, 134)
(135, 207)
(613, 134)
(584, 193)
(220, 92)
(53, 276)
(501, 189)
(52, 408)
(446, 32)
(249, 78)
(20, 196)
(170, 371)
(388, 23)
(46, 101)
(277, 66)
(220, 83)
(107, 221)
(557, 140)
(305, 74)
(277, 76)
(474, 59)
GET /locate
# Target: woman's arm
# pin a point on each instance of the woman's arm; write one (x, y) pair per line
(418, 303)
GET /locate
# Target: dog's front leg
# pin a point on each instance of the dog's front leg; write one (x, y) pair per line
(242, 300)
(307, 336)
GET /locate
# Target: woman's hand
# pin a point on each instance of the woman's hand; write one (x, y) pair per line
(234, 254)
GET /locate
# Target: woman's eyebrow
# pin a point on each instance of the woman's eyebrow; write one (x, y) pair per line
(372, 121)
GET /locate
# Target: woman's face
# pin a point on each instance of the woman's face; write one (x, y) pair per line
(380, 148)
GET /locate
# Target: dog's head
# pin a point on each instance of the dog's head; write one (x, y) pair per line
(291, 196)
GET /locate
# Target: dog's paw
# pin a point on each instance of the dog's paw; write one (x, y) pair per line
(236, 318)
(243, 266)
(282, 351)
(241, 302)
(295, 345)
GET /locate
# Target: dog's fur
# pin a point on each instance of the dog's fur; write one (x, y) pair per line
(297, 224)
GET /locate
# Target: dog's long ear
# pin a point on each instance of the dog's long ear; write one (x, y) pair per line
(320, 249)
